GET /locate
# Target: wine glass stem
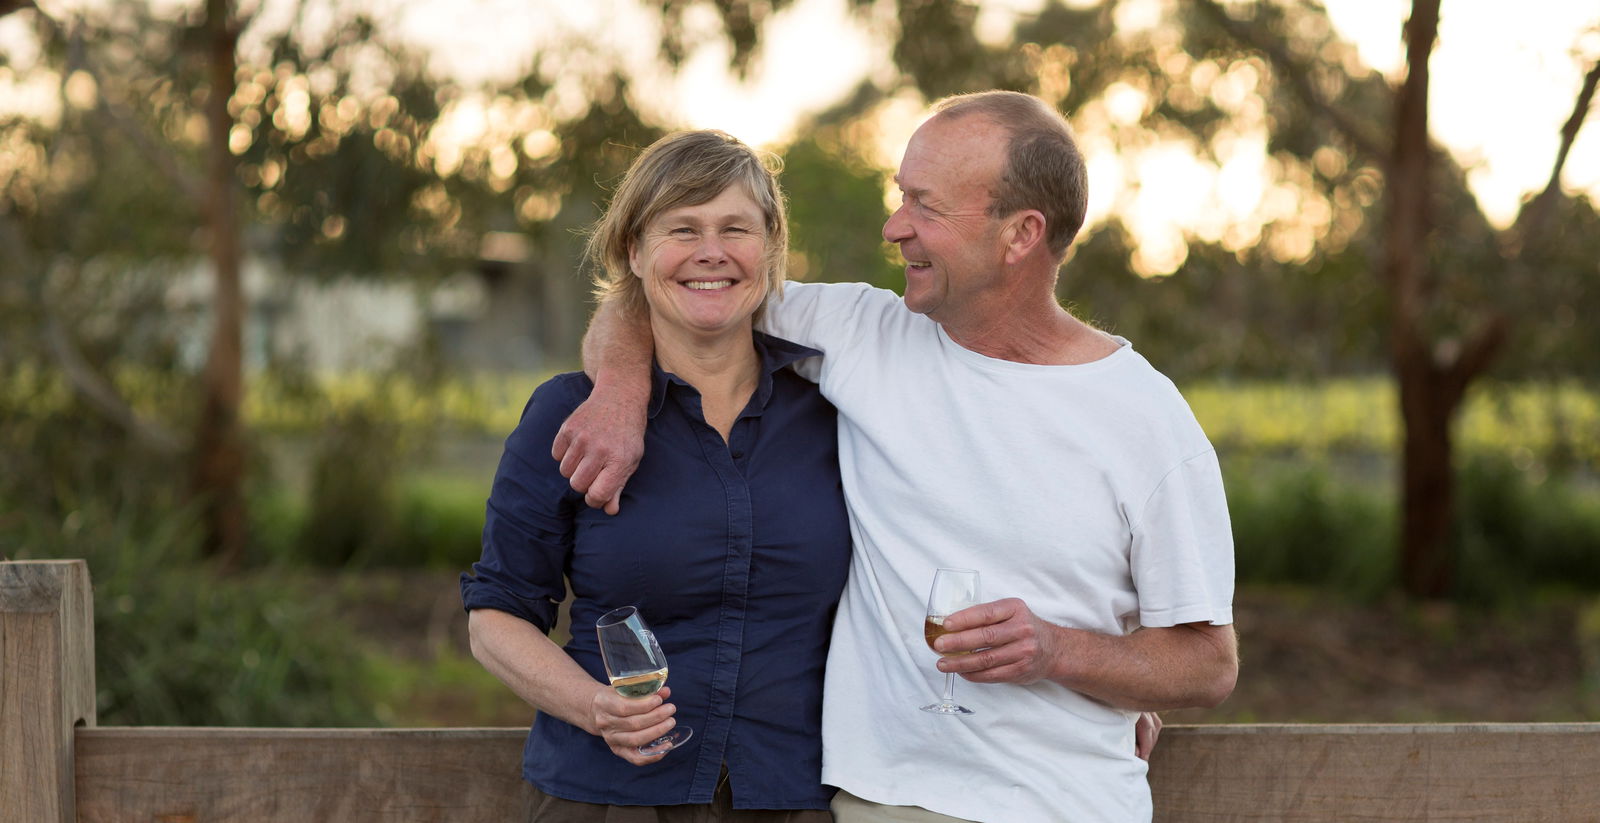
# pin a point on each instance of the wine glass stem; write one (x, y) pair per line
(949, 687)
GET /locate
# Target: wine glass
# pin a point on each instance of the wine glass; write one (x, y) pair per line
(953, 590)
(636, 666)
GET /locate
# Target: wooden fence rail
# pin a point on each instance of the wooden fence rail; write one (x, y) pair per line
(56, 766)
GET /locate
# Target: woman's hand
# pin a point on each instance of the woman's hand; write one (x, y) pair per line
(626, 723)
(1145, 732)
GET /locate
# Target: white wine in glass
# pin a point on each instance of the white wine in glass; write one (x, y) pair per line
(636, 666)
(953, 590)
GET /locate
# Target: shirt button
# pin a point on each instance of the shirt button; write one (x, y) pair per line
(738, 454)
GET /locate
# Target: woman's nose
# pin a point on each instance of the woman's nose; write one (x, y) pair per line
(711, 249)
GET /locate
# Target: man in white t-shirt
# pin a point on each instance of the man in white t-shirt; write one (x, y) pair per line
(982, 426)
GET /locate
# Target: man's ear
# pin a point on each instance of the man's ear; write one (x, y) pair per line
(1024, 234)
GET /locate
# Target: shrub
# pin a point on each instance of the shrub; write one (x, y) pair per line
(1298, 523)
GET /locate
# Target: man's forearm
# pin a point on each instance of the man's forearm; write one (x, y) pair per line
(602, 441)
(1152, 669)
(617, 349)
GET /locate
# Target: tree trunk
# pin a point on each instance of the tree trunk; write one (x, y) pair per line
(219, 459)
(1427, 405)
(1427, 498)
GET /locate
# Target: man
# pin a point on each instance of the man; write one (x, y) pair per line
(982, 426)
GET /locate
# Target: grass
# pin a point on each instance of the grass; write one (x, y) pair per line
(1556, 420)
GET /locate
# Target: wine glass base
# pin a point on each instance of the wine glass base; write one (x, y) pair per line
(946, 708)
(667, 742)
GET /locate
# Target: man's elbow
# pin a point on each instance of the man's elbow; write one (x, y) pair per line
(1219, 686)
(1222, 674)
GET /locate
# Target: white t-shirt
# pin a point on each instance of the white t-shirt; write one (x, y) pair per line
(1088, 491)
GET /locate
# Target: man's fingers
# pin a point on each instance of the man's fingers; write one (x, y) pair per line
(559, 446)
(569, 462)
(990, 658)
(583, 475)
(605, 488)
(991, 636)
(997, 611)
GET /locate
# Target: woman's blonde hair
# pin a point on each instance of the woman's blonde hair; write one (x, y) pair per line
(685, 168)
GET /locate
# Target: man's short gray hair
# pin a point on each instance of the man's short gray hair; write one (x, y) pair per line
(1044, 170)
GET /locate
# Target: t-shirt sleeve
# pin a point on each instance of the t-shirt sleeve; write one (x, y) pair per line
(1182, 553)
(829, 317)
(529, 519)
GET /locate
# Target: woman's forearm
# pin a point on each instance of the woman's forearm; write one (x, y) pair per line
(533, 666)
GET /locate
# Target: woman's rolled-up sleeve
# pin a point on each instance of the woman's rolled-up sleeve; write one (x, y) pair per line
(528, 522)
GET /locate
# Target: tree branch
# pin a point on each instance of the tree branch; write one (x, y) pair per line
(1537, 213)
(121, 120)
(1298, 78)
(102, 395)
(82, 377)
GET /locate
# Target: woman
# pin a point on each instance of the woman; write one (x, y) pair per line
(732, 538)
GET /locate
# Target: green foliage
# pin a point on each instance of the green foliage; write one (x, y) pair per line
(1296, 523)
(836, 211)
(1518, 531)
(178, 644)
(1518, 528)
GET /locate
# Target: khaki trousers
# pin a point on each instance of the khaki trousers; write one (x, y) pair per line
(847, 808)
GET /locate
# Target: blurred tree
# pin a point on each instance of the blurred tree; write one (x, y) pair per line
(321, 152)
(1344, 144)
(836, 213)
(1436, 349)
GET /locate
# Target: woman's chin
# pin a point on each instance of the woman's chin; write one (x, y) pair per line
(707, 327)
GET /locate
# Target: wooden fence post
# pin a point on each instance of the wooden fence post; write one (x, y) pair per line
(46, 685)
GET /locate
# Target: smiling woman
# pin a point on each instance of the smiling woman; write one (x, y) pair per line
(731, 538)
(701, 268)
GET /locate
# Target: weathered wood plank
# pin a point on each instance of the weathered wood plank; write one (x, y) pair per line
(1532, 772)
(1443, 772)
(46, 685)
(213, 775)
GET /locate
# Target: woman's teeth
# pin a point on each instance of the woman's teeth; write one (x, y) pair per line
(702, 285)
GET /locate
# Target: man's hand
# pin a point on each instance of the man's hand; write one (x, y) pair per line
(1007, 641)
(626, 723)
(1145, 732)
(599, 447)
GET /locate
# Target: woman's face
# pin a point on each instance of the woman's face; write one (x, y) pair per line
(702, 266)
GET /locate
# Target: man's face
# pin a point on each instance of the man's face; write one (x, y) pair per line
(951, 244)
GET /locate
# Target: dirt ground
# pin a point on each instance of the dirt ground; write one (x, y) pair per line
(1307, 657)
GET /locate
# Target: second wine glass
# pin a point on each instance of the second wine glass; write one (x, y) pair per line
(636, 666)
(953, 590)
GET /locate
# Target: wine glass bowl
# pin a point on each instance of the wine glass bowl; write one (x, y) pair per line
(636, 666)
(952, 591)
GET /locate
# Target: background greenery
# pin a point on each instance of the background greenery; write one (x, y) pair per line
(366, 490)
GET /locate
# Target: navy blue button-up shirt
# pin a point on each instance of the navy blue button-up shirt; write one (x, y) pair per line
(735, 553)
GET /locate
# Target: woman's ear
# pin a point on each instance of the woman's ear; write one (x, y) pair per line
(633, 260)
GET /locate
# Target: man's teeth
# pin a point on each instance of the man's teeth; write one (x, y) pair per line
(915, 265)
(711, 285)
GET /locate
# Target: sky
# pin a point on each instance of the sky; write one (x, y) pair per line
(1503, 83)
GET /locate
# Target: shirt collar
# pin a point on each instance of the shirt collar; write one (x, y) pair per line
(774, 353)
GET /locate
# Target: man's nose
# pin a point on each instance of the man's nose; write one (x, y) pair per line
(897, 228)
